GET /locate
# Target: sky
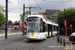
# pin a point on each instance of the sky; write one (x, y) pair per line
(15, 7)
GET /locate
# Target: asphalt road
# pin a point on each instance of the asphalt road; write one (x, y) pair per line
(21, 43)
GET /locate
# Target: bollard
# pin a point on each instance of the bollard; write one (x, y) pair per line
(58, 38)
(70, 45)
(64, 42)
(61, 41)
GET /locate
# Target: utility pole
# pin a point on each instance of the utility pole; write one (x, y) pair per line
(6, 26)
(65, 24)
(23, 16)
(30, 9)
(24, 13)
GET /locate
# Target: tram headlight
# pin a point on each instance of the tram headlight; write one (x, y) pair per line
(28, 33)
(36, 33)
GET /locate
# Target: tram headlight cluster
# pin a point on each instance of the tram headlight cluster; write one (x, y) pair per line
(28, 33)
(36, 33)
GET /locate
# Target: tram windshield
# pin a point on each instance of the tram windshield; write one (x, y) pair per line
(33, 26)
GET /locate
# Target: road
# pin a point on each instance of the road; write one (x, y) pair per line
(21, 43)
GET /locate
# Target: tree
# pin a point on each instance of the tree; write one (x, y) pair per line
(55, 21)
(10, 22)
(68, 15)
(2, 19)
(16, 23)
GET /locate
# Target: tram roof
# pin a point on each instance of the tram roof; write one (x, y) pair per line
(44, 19)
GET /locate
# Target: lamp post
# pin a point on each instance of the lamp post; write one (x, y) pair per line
(6, 25)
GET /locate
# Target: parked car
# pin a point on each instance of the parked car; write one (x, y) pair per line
(72, 37)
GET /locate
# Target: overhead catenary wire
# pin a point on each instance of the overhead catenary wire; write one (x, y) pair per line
(37, 4)
(14, 4)
(58, 1)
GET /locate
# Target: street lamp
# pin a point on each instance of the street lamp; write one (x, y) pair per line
(6, 25)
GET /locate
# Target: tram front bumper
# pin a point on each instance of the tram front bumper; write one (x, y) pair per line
(33, 38)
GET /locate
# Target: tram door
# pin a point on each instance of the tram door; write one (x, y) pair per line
(49, 30)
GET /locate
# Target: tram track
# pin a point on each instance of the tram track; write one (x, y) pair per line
(15, 43)
(31, 45)
(8, 41)
(27, 45)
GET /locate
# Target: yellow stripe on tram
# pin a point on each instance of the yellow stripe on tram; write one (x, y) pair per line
(32, 34)
(50, 33)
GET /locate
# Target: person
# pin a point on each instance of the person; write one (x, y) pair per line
(25, 32)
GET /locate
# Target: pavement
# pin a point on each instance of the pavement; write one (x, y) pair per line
(3, 34)
(67, 43)
(10, 35)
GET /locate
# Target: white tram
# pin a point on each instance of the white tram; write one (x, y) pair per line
(39, 27)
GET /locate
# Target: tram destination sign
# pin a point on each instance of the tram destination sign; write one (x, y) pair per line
(32, 18)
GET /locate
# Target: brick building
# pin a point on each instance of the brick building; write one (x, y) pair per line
(52, 14)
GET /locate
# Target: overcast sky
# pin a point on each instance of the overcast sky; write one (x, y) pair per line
(16, 6)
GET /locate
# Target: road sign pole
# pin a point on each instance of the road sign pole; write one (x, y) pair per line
(65, 28)
(66, 31)
(71, 28)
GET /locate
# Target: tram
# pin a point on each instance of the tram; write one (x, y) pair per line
(39, 27)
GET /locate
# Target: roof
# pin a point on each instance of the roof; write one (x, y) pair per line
(47, 21)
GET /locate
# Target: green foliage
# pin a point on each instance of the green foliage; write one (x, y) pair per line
(16, 23)
(2, 19)
(54, 20)
(10, 22)
(68, 15)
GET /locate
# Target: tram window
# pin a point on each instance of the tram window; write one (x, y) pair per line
(44, 27)
(41, 26)
(57, 28)
(54, 28)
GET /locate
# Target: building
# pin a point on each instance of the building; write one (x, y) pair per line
(41, 13)
(2, 10)
(52, 14)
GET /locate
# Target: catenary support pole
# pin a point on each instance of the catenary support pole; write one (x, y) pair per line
(23, 16)
(6, 25)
